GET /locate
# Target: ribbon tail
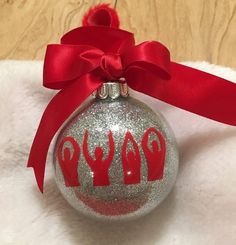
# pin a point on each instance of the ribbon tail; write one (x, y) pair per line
(205, 94)
(58, 110)
(190, 89)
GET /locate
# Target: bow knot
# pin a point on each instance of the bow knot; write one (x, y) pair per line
(111, 66)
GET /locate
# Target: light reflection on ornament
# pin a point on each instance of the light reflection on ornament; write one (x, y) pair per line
(115, 128)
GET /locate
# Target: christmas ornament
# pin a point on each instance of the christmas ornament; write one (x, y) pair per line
(116, 159)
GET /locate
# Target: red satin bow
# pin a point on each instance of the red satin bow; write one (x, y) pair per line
(89, 56)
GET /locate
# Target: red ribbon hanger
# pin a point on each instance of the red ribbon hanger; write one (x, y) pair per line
(91, 55)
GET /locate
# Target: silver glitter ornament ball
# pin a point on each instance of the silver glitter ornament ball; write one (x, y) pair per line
(115, 159)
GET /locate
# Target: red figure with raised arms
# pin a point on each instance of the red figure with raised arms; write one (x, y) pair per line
(156, 156)
(99, 166)
(131, 161)
(68, 164)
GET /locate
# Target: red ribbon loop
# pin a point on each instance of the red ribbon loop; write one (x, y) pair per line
(152, 56)
(89, 56)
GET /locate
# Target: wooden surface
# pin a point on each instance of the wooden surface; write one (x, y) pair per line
(191, 29)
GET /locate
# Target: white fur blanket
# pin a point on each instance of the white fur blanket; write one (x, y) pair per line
(200, 210)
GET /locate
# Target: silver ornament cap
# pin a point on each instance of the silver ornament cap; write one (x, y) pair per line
(116, 159)
(112, 90)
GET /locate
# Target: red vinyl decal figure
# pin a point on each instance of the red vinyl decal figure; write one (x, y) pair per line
(68, 163)
(99, 166)
(131, 161)
(156, 156)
